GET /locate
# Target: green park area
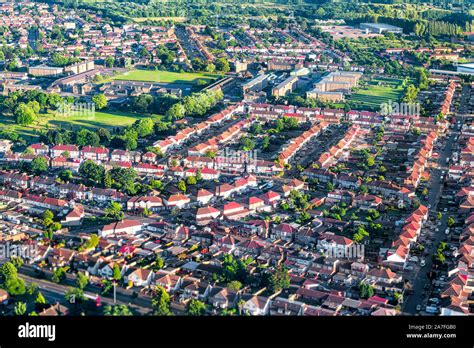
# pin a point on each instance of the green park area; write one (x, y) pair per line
(75, 121)
(376, 92)
(165, 76)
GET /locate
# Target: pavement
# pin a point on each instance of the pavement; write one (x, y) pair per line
(54, 292)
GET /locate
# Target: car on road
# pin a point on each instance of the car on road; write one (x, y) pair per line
(409, 268)
(423, 263)
(418, 308)
(447, 231)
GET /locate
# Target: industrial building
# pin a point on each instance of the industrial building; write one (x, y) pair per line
(379, 28)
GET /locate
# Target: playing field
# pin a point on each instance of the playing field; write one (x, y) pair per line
(73, 122)
(165, 76)
(379, 91)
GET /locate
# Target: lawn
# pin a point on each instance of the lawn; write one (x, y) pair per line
(165, 76)
(378, 91)
(73, 122)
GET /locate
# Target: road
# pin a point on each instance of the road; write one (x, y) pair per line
(55, 292)
(421, 277)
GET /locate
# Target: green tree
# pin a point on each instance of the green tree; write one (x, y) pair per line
(182, 186)
(39, 165)
(279, 280)
(100, 101)
(24, 115)
(116, 273)
(234, 285)
(117, 310)
(161, 302)
(114, 210)
(196, 308)
(20, 308)
(81, 280)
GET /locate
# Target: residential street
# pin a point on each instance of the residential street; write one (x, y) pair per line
(421, 277)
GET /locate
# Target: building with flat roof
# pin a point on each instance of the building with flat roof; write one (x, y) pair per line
(380, 28)
(285, 87)
(45, 71)
(466, 68)
(256, 84)
(333, 86)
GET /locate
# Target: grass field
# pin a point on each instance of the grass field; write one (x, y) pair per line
(379, 90)
(73, 122)
(165, 76)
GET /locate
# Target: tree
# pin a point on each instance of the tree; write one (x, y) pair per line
(234, 285)
(144, 127)
(114, 211)
(40, 300)
(20, 308)
(196, 308)
(116, 273)
(24, 115)
(182, 186)
(48, 217)
(176, 112)
(109, 61)
(16, 261)
(9, 280)
(159, 263)
(280, 279)
(91, 243)
(39, 165)
(58, 275)
(82, 280)
(222, 65)
(85, 137)
(451, 221)
(191, 180)
(65, 175)
(117, 310)
(100, 101)
(74, 295)
(92, 171)
(161, 302)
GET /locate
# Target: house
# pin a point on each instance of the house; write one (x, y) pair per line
(54, 310)
(74, 217)
(119, 155)
(139, 276)
(255, 305)
(95, 153)
(169, 281)
(177, 200)
(70, 151)
(204, 196)
(204, 215)
(284, 306)
(284, 231)
(152, 203)
(121, 227)
(60, 257)
(222, 298)
(193, 288)
(235, 211)
(367, 201)
(271, 198)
